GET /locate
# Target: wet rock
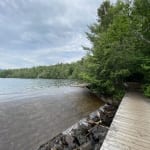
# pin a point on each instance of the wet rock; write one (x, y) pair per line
(80, 136)
(99, 132)
(70, 141)
(95, 116)
(91, 122)
(63, 140)
(107, 113)
(97, 146)
(86, 146)
(53, 148)
(58, 147)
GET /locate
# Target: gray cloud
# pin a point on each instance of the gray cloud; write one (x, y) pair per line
(42, 32)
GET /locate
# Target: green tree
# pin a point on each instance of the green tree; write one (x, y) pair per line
(119, 48)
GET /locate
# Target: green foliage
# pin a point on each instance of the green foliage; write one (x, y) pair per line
(120, 48)
(147, 90)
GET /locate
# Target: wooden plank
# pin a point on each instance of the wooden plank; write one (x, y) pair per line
(130, 139)
(121, 145)
(133, 119)
(130, 129)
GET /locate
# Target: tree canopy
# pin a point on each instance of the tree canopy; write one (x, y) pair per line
(120, 47)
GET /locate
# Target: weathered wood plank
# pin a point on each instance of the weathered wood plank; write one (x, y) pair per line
(134, 119)
(130, 139)
(130, 129)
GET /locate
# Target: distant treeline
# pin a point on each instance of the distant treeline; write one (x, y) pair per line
(58, 71)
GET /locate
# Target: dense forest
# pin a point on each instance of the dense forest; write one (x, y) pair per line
(121, 47)
(120, 51)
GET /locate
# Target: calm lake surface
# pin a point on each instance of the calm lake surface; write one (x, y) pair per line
(32, 111)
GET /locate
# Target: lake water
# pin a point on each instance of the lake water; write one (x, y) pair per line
(17, 89)
(32, 111)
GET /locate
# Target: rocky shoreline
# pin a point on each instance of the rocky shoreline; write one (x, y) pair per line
(87, 134)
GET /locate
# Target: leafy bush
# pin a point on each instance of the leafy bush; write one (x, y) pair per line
(147, 90)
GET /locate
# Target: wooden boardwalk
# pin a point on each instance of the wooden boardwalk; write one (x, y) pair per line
(130, 129)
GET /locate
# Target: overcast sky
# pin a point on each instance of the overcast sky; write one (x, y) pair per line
(44, 32)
